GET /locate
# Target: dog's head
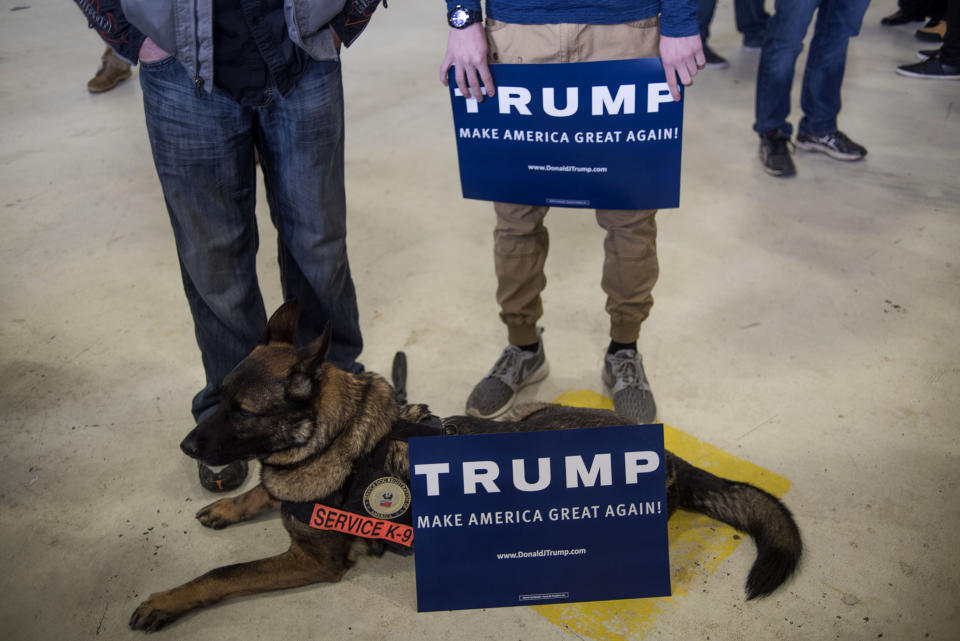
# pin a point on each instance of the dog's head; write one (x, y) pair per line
(267, 402)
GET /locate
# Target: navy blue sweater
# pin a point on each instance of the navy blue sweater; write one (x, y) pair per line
(678, 18)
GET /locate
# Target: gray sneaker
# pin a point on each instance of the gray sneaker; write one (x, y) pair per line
(515, 369)
(623, 374)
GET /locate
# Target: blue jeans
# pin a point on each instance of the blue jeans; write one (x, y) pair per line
(204, 148)
(837, 22)
(749, 16)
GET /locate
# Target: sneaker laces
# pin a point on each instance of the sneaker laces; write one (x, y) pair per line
(836, 139)
(507, 368)
(629, 370)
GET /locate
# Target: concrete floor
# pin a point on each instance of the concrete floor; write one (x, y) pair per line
(807, 325)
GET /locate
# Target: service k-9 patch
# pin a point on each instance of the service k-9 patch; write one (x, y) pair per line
(325, 517)
(386, 498)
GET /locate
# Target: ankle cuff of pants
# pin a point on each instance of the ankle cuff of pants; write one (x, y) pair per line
(624, 332)
(522, 335)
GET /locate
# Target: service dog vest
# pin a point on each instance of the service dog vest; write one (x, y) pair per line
(372, 503)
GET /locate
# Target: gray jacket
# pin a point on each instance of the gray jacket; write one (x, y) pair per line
(184, 28)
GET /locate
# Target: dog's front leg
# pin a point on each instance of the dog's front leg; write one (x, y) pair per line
(293, 568)
(234, 509)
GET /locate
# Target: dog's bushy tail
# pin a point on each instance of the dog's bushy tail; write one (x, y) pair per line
(751, 510)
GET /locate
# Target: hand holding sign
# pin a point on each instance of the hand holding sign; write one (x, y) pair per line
(467, 53)
(683, 57)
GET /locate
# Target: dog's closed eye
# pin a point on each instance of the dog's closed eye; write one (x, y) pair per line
(242, 413)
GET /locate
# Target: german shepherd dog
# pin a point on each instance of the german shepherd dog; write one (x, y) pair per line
(309, 423)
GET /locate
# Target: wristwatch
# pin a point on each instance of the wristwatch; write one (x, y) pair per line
(461, 17)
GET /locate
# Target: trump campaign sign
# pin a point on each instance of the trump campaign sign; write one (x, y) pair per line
(539, 517)
(603, 135)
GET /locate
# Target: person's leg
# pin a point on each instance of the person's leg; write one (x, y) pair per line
(520, 239)
(705, 11)
(520, 246)
(781, 46)
(751, 20)
(907, 11)
(950, 52)
(203, 151)
(630, 265)
(942, 64)
(837, 22)
(921, 7)
(630, 269)
(300, 138)
(937, 9)
(935, 28)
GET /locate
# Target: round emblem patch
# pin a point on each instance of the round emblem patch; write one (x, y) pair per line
(386, 498)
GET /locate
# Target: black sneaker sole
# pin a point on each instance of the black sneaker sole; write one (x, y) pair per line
(928, 76)
(779, 173)
(229, 478)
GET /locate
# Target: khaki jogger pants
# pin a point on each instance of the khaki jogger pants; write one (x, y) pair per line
(521, 241)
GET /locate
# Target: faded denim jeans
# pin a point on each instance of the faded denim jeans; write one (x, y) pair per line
(837, 22)
(203, 147)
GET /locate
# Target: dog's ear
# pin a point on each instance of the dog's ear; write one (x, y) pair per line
(312, 356)
(283, 324)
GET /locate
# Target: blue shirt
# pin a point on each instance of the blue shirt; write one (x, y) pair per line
(678, 18)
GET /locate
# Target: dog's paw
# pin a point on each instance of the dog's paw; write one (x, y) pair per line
(220, 514)
(153, 614)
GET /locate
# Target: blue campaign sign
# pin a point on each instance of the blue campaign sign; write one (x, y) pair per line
(539, 517)
(603, 135)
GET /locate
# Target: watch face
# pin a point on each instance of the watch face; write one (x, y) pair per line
(459, 17)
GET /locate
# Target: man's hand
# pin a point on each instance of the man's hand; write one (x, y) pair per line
(681, 57)
(150, 52)
(467, 53)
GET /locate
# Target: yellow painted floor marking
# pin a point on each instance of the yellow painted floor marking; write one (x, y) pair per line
(697, 544)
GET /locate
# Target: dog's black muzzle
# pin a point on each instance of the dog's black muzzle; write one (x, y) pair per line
(211, 442)
(191, 444)
(215, 441)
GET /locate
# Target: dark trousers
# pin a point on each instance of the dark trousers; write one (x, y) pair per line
(929, 8)
(950, 53)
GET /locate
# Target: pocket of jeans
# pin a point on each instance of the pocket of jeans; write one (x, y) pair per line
(156, 64)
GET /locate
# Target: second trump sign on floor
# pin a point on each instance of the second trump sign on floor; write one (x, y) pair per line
(540, 517)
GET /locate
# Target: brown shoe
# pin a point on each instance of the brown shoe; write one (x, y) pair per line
(112, 71)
